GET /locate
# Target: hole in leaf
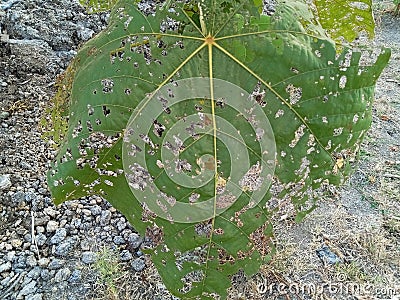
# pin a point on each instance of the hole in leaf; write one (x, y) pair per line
(106, 111)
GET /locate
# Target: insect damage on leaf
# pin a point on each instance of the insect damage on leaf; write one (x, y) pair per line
(201, 120)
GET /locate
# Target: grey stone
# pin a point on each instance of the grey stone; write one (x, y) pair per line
(75, 276)
(125, 255)
(45, 274)
(105, 217)
(134, 240)
(5, 267)
(4, 114)
(5, 181)
(34, 297)
(121, 225)
(52, 226)
(59, 236)
(118, 240)
(43, 262)
(31, 261)
(28, 289)
(84, 33)
(62, 275)
(34, 273)
(89, 257)
(20, 263)
(41, 239)
(327, 256)
(64, 248)
(138, 264)
(55, 264)
(96, 210)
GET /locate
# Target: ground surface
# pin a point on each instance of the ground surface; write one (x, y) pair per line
(86, 250)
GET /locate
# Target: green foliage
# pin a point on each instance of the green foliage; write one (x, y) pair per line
(397, 9)
(175, 119)
(344, 19)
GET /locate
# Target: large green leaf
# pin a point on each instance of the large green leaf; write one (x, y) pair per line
(200, 121)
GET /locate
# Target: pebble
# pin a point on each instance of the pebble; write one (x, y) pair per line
(134, 240)
(35, 297)
(55, 264)
(5, 267)
(138, 264)
(5, 181)
(41, 239)
(89, 257)
(28, 289)
(16, 243)
(118, 240)
(64, 248)
(125, 255)
(105, 218)
(96, 210)
(52, 226)
(326, 255)
(4, 114)
(75, 276)
(62, 275)
(43, 262)
(59, 236)
(31, 261)
(34, 273)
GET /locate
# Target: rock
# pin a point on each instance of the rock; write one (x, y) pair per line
(62, 275)
(105, 217)
(64, 248)
(50, 212)
(34, 297)
(10, 256)
(96, 210)
(84, 33)
(28, 289)
(118, 240)
(5, 267)
(43, 262)
(4, 114)
(125, 255)
(134, 240)
(31, 261)
(5, 181)
(45, 274)
(85, 245)
(55, 264)
(20, 264)
(59, 236)
(121, 225)
(34, 273)
(327, 256)
(86, 212)
(41, 239)
(52, 226)
(89, 257)
(138, 264)
(16, 243)
(75, 276)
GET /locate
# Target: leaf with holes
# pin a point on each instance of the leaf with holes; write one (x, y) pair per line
(199, 122)
(345, 19)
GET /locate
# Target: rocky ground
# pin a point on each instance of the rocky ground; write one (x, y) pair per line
(86, 250)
